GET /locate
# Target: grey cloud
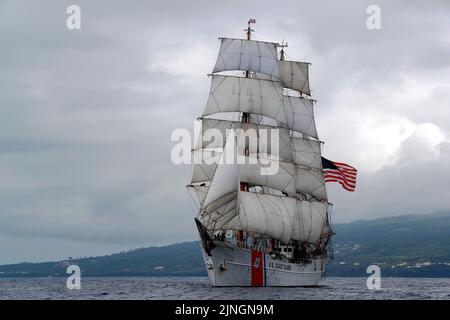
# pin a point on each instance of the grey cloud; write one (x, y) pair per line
(86, 116)
(415, 184)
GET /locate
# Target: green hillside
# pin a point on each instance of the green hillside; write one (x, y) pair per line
(401, 246)
(183, 259)
(416, 246)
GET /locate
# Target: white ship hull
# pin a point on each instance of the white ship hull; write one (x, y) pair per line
(229, 265)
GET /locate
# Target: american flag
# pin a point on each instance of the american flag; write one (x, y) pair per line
(251, 21)
(339, 172)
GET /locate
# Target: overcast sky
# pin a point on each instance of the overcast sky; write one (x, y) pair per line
(86, 115)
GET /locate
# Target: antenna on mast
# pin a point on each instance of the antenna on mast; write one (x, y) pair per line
(249, 30)
(282, 46)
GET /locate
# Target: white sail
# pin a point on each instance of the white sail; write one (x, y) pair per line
(247, 55)
(263, 97)
(310, 221)
(265, 214)
(311, 182)
(284, 179)
(200, 192)
(224, 182)
(295, 75)
(327, 230)
(302, 214)
(283, 218)
(206, 162)
(300, 115)
(238, 94)
(306, 152)
(262, 132)
(218, 218)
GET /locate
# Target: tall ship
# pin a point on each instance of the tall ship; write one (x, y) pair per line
(260, 227)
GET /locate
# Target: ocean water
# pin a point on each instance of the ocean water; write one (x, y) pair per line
(198, 288)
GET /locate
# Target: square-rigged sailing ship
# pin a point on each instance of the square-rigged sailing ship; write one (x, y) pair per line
(256, 229)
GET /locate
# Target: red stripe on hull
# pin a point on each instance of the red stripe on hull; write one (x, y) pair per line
(257, 269)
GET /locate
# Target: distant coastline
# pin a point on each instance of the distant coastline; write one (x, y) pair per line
(403, 246)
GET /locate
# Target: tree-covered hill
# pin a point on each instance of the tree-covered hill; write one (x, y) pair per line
(402, 246)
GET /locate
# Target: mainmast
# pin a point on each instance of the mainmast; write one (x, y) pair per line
(246, 115)
(245, 119)
(249, 30)
(282, 46)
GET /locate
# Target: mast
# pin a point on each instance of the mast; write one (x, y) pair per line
(249, 30)
(243, 186)
(282, 46)
(246, 115)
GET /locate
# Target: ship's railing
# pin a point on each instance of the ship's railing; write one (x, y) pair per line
(245, 245)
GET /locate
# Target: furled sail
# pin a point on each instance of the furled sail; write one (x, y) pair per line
(282, 218)
(247, 55)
